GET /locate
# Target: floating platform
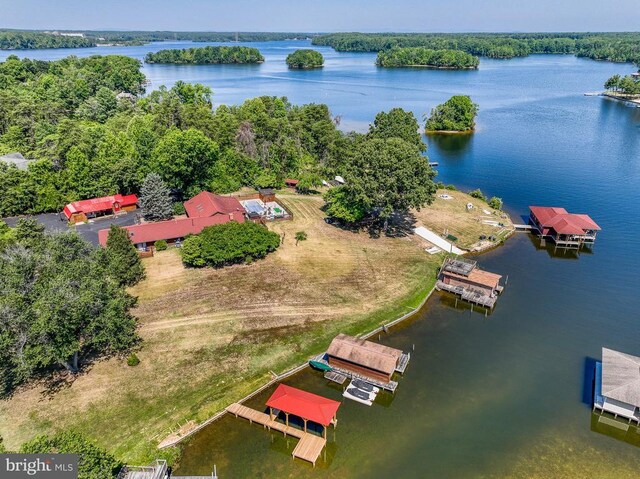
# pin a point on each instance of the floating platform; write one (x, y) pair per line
(335, 377)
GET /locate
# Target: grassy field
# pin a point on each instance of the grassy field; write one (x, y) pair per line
(212, 336)
(451, 216)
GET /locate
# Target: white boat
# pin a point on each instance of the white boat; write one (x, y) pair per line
(354, 393)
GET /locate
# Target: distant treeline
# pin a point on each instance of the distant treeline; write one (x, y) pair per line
(197, 36)
(31, 41)
(618, 47)
(426, 57)
(35, 39)
(207, 55)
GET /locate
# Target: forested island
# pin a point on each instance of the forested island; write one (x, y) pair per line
(304, 59)
(10, 40)
(617, 47)
(456, 115)
(206, 55)
(426, 57)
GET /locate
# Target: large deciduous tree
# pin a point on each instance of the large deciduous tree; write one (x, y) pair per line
(58, 305)
(397, 123)
(185, 159)
(386, 176)
(155, 198)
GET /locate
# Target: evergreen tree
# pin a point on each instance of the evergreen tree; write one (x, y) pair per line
(123, 262)
(155, 198)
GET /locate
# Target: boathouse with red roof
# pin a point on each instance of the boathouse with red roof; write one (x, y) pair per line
(83, 210)
(566, 230)
(305, 405)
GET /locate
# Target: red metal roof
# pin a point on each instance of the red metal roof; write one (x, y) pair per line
(171, 229)
(563, 222)
(304, 404)
(207, 204)
(94, 205)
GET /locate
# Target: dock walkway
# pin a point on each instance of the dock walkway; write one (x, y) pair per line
(308, 448)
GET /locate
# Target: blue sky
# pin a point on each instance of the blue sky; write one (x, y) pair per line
(324, 15)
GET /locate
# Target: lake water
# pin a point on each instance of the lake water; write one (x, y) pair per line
(502, 396)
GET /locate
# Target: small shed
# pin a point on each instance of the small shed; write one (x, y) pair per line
(267, 195)
(363, 357)
(291, 183)
(83, 210)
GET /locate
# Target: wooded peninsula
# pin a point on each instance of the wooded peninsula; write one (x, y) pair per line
(206, 55)
(617, 47)
(426, 57)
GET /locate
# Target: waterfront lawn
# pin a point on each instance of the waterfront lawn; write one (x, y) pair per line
(453, 217)
(211, 336)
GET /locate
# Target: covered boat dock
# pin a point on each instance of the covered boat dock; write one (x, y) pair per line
(617, 385)
(305, 405)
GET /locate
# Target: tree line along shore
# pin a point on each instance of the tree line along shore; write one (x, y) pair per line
(610, 46)
(617, 47)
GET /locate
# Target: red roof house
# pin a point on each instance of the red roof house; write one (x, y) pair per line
(146, 234)
(207, 204)
(564, 228)
(306, 405)
(82, 210)
(204, 209)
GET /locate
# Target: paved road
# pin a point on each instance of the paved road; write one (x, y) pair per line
(89, 231)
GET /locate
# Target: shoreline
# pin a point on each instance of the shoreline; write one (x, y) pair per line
(635, 100)
(174, 439)
(430, 67)
(449, 132)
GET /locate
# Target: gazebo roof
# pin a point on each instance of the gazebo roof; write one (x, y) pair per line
(304, 404)
(621, 376)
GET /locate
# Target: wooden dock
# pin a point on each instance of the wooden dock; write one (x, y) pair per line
(526, 228)
(468, 294)
(335, 377)
(308, 448)
(403, 362)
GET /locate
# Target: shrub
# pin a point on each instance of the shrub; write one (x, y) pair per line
(161, 245)
(133, 360)
(178, 209)
(300, 236)
(477, 194)
(452, 187)
(495, 203)
(229, 243)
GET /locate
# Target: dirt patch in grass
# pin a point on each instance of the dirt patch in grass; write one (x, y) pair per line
(451, 217)
(212, 336)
